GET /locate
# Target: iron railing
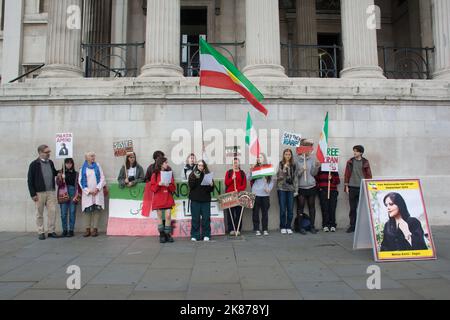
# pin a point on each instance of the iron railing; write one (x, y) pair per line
(406, 63)
(111, 60)
(27, 73)
(317, 61)
(190, 57)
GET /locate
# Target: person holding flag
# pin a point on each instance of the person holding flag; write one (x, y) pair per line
(262, 184)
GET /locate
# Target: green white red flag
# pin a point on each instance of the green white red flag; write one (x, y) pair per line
(323, 142)
(218, 72)
(263, 171)
(251, 138)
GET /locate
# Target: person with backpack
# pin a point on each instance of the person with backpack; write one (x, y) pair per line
(163, 201)
(200, 197)
(261, 187)
(328, 206)
(357, 168)
(308, 167)
(287, 182)
(235, 180)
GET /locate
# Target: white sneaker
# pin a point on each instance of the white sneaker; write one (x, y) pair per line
(258, 233)
(232, 233)
(333, 229)
(325, 229)
(193, 239)
(206, 239)
(238, 233)
(289, 231)
(266, 233)
(283, 231)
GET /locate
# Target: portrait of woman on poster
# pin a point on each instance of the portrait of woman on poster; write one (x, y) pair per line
(401, 232)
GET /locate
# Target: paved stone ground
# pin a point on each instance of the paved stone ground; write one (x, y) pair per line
(321, 266)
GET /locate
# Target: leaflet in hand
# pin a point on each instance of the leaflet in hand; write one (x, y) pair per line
(166, 177)
(208, 179)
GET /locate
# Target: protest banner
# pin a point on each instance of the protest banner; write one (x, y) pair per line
(64, 145)
(121, 148)
(291, 139)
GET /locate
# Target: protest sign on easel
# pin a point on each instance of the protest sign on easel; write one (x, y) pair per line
(392, 220)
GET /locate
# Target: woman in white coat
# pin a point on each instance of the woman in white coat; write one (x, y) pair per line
(92, 181)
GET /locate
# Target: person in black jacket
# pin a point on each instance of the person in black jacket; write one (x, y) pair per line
(401, 232)
(41, 185)
(200, 197)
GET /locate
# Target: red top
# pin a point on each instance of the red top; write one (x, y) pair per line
(241, 181)
(162, 195)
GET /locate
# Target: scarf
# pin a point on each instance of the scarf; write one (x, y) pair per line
(93, 166)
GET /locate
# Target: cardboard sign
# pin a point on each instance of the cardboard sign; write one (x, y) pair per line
(64, 145)
(331, 160)
(291, 139)
(234, 151)
(304, 149)
(380, 203)
(228, 200)
(247, 199)
(121, 148)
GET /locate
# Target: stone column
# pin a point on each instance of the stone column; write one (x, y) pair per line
(441, 34)
(262, 43)
(360, 41)
(119, 23)
(162, 42)
(97, 21)
(63, 58)
(307, 35)
(12, 40)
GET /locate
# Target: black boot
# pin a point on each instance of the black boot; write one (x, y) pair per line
(162, 237)
(300, 227)
(169, 237)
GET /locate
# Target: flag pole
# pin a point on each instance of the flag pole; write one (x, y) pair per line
(329, 183)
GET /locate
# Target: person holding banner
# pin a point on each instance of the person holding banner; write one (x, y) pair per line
(287, 184)
(308, 167)
(328, 204)
(235, 180)
(189, 166)
(41, 185)
(357, 168)
(68, 180)
(261, 186)
(163, 201)
(401, 232)
(92, 181)
(200, 197)
(131, 173)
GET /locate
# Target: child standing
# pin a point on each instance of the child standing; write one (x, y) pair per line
(328, 206)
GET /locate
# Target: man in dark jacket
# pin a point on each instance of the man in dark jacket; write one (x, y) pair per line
(357, 168)
(41, 184)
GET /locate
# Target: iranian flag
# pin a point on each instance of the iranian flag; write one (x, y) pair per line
(263, 171)
(251, 139)
(323, 142)
(217, 72)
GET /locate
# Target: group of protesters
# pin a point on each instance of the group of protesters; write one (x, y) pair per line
(297, 177)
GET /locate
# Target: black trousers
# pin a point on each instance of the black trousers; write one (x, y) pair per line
(236, 212)
(353, 198)
(328, 207)
(308, 197)
(263, 204)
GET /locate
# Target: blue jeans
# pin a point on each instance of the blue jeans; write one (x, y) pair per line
(286, 202)
(71, 207)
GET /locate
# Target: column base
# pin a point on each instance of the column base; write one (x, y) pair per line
(161, 70)
(60, 71)
(369, 72)
(264, 70)
(442, 75)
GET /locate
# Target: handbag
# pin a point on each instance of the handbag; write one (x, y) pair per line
(63, 194)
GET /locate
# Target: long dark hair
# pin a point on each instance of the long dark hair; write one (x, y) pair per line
(291, 161)
(205, 166)
(68, 160)
(398, 200)
(127, 161)
(159, 162)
